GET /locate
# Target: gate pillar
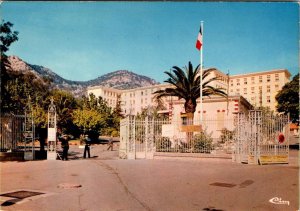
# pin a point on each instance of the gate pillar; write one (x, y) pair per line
(51, 145)
(28, 132)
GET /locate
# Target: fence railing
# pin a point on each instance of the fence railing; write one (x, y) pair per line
(150, 135)
(11, 132)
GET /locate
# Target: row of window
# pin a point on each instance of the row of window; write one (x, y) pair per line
(268, 99)
(268, 78)
(245, 90)
(142, 93)
(222, 78)
(110, 94)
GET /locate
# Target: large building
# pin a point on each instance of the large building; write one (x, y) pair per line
(258, 88)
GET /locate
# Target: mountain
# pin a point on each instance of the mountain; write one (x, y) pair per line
(121, 79)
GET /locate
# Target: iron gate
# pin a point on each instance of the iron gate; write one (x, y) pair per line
(256, 137)
(261, 138)
(11, 133)
(142, 137)
(137, 137)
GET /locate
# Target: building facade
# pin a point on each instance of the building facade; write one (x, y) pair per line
(259, 88)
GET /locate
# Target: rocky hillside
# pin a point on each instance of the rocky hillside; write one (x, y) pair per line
(121, 79)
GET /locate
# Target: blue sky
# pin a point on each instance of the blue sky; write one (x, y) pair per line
(83, 40)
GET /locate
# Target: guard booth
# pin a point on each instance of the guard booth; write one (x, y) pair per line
(261, 138)
(51, 144)
(29, 132)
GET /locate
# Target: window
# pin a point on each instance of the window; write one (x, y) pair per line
(268, 88)
(260, 79)
(231, 90)
(252, 80)
(141, 101)
(268, 78)
(268, 99)
(142, 93)
(231, 84)
(245, 80)
(252, 90)
(276, 87)
(245, 91)
(276, 77)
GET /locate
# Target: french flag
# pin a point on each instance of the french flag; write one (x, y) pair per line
(199, 40)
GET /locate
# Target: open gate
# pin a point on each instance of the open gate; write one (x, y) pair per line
(261, 138)
(136, 138)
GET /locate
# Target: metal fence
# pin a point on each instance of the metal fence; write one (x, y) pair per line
(141, 138)
(255, 137)
(261, 138)
(11, 132)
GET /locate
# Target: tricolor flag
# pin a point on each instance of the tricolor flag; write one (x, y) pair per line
(199, 40)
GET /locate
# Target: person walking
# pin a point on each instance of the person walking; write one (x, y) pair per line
(87, 146)
(65, 146)
(110, 144)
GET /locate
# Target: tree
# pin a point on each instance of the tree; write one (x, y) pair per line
(65, 104)
(7, 37)
(288, 99)
(186, 85)
(88, 120)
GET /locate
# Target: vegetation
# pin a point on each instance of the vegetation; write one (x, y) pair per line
(288, 99)
(186, 85)
(88, 115)
(202, 143)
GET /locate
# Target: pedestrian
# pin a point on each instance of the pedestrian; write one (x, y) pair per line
(110, 144)
(87, 141)
(65, 146)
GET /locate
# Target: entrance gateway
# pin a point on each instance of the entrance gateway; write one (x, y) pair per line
(254, 138)
(52, 129)
(261, 138)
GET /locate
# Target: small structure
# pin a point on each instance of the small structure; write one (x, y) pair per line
(51, 145)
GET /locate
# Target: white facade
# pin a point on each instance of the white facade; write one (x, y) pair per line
(110, 95)
(259, 88)
(218, 113)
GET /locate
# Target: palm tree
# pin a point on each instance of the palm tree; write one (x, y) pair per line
(186, 85)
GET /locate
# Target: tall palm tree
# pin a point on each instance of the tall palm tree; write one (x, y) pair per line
(186, 85)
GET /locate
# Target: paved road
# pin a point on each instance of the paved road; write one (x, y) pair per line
(108, 183)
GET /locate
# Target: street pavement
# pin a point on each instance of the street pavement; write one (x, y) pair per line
(107, 183)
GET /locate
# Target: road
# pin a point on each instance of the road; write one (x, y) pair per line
(108, 183)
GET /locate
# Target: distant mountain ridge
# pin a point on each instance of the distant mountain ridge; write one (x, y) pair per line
(120, 79)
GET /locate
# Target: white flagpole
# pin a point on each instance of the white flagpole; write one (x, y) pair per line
(201, 72)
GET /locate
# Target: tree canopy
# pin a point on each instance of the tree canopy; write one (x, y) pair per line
(288, 99)
(186, 85)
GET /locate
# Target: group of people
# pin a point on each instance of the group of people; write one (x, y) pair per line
(64, 139)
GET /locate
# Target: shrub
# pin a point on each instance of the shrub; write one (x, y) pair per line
(202, 143)
(163, 144)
